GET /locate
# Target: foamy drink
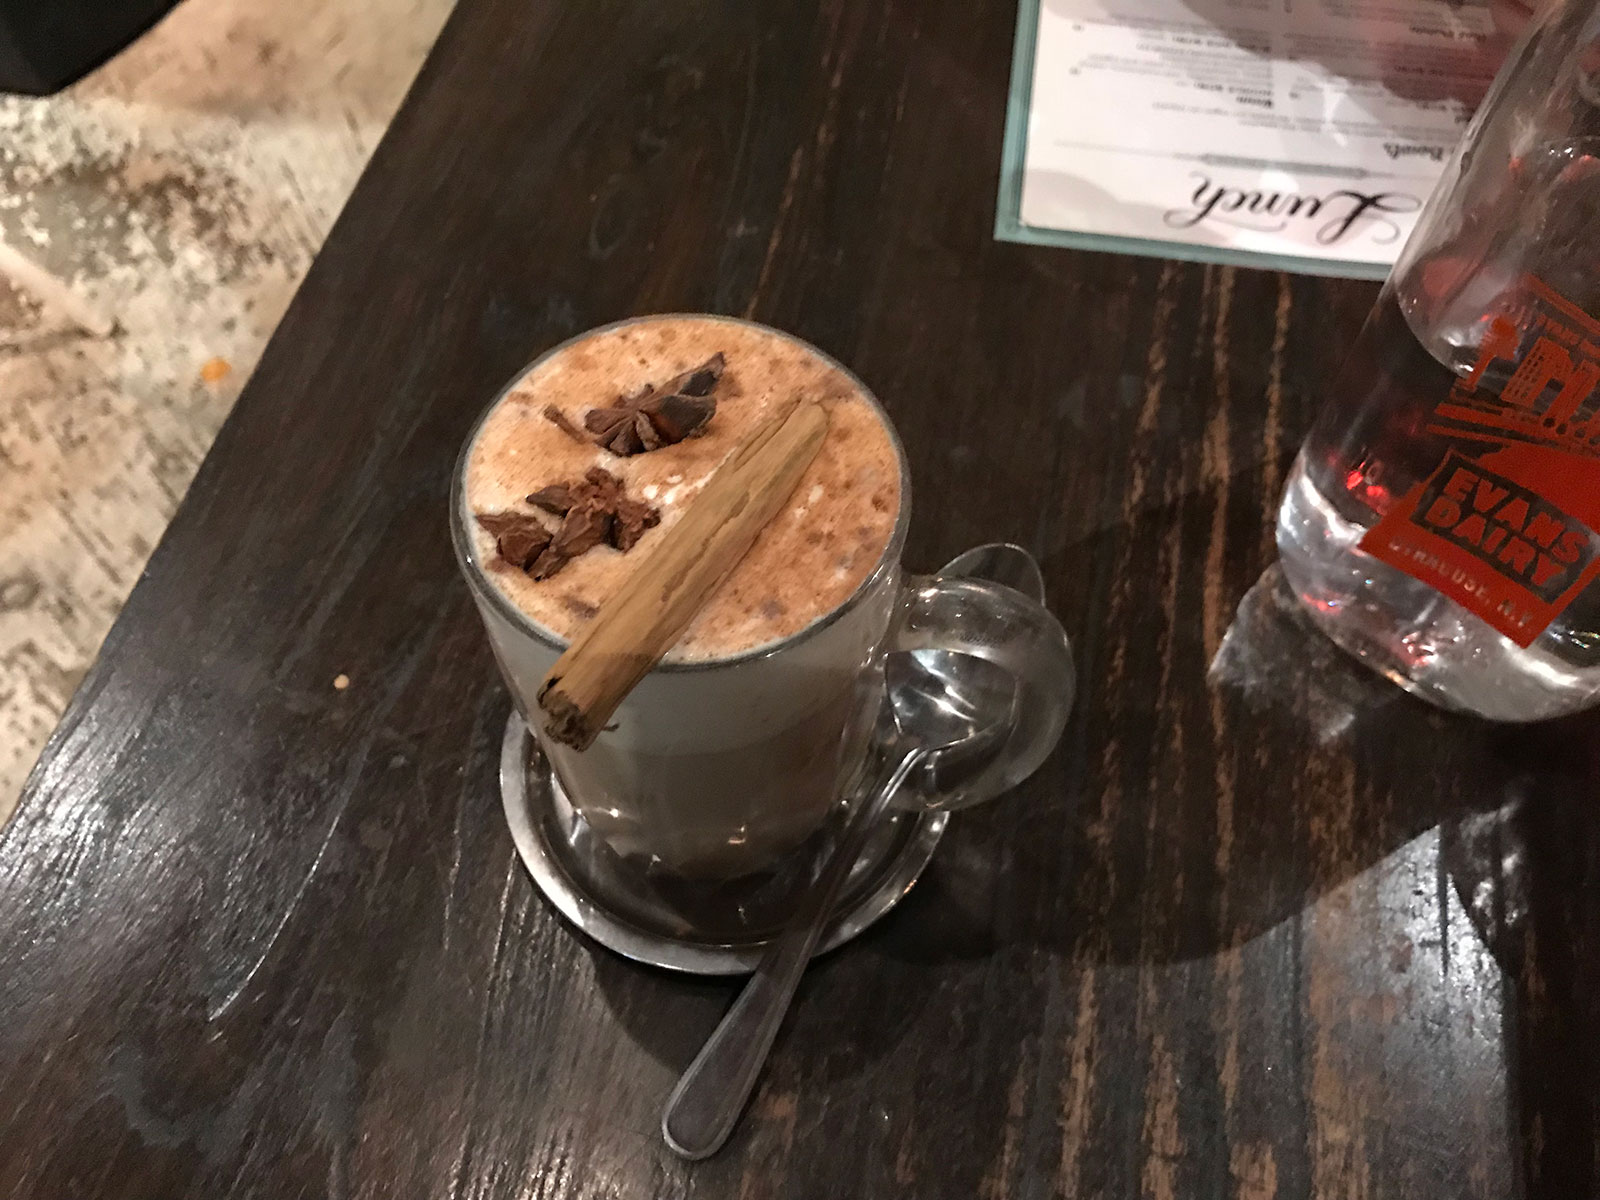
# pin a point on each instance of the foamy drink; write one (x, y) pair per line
(734, 749)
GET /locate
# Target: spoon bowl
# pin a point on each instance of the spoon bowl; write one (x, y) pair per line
(950, 622)
(958, 709)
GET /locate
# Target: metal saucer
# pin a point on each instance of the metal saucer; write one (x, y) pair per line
(700, 928)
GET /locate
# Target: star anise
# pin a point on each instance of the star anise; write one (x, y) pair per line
(519, 538)
(659, 416)
(593, 510)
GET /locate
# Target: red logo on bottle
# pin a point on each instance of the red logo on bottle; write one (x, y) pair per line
(1505, 525)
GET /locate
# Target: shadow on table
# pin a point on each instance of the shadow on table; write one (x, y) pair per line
(1528, 875)
(1205, 820)
(844, 1019)
(1331, 769)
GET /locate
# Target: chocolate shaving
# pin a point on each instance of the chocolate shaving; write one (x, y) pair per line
(557, 499)
(659, 416)
(519, 538)
(630, 521)
(584, 528)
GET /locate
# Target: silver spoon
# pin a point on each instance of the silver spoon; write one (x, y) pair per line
(951, 715)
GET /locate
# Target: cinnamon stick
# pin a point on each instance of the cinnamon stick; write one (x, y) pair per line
(685, 566)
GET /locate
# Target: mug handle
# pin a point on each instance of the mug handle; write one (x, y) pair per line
(992, 621)
(999, 562)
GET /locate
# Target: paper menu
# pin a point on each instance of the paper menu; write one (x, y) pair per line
(1289, 133)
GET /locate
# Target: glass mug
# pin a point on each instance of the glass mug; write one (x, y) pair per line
(715, 769)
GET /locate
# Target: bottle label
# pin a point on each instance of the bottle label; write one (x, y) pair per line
(1505, 525)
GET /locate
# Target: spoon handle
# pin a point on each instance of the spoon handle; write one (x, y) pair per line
(705, 1106)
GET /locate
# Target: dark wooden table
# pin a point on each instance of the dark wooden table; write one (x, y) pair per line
(1263, 927)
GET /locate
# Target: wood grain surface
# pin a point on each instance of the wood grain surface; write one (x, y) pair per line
(1262, 927)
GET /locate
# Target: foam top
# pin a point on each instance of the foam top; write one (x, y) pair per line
(804, 564)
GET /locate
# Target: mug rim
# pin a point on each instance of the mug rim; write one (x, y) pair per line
(484, 589)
